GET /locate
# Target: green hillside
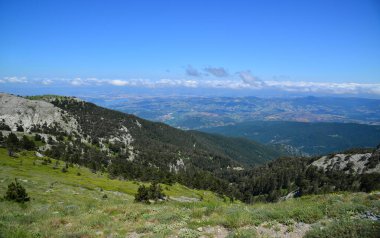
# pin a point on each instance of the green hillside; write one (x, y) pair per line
(311, 138)
(73, 204)
(158, 138)
(130, 148)
(245, 151)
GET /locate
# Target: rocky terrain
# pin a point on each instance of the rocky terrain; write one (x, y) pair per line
(356, 163)
(18, 111)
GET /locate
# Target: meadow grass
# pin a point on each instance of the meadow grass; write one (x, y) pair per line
(72, 205)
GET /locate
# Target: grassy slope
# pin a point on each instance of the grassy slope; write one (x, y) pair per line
(68, 205)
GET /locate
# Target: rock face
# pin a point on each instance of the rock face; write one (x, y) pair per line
(16, 111)
(356, 163)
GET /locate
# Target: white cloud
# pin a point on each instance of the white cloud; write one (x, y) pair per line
(14, 80)
(47, 81)
(325, 87)
(251, 80)
(77, 82)
(118, 82)
(86, 81)
(247, 81)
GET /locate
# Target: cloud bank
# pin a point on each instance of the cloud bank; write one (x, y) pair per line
(14, 79)
(243, 80)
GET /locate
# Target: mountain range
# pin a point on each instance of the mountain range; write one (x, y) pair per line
(129, 147)
(299, 126)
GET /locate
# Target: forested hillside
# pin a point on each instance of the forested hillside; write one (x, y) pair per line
(127, 147)
(310, 138)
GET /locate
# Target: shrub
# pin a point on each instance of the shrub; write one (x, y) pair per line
(27, 144)
(16, 192)
(12, 143)
(20, 128)
(370, 182)
(37, 137)
(153, 192)
(4, 127)
(142, 194)
(56, 165)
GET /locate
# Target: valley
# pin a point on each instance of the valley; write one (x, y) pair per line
(310, 138)
(192, 112)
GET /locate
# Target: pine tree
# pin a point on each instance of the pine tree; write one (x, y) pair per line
(16, 192)
(1, 137)
(142, 194)
(27, 144)
(12, 143)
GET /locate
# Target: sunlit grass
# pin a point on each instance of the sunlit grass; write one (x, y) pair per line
(72, 205)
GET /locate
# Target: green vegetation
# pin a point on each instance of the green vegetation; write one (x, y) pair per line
(165, 154)
(153, 192)
(68, 205)
(128, 147)
(205, 161)
(285, 175)
(346, 228)
(16, 192)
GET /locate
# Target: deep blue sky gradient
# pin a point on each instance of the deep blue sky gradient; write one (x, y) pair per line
(320, 41)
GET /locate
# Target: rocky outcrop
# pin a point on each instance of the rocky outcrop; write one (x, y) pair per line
(17, 111)
(351, 163)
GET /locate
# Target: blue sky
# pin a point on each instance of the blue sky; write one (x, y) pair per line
(251, 45)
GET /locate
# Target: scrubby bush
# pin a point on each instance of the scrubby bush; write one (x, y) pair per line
(370, 182)
(20, 128)
(3, 126)
(37, 137)
(142, 194)
(153, 192)
(27, 144)
(16, 192)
